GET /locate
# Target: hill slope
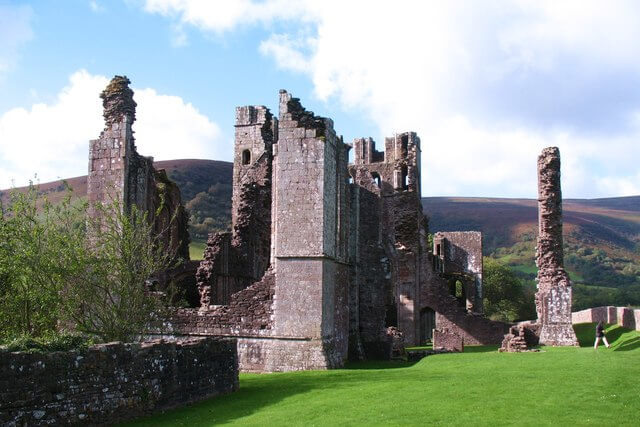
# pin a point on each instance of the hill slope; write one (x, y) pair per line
(602, 236)
(602, 240)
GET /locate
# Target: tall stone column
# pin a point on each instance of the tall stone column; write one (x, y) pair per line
(553, 299)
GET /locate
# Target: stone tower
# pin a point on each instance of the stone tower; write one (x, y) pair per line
(553, 299)
(310, 229)
(255, 134)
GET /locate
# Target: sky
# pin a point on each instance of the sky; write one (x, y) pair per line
(485, 84)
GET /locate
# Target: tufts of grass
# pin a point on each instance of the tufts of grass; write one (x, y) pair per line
(557, 386)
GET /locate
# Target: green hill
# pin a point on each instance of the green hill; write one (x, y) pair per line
(602, 240)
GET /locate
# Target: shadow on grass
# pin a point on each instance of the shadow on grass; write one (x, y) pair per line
(481, 348)
(616, 335)
(378, 364)
(632, 344)
(613, 333)
(253, 395)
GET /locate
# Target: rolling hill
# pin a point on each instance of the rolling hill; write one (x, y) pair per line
(602, 236)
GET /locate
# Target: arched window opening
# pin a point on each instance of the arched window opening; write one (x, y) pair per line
(375, 177)
(405, 178)
(246, 157)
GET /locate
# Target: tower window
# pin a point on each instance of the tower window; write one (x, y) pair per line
(246, 157)
(375, 177)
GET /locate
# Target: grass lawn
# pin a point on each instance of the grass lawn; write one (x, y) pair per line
(558, 386)
(196, 249)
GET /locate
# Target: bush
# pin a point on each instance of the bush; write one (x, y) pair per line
(55, 342)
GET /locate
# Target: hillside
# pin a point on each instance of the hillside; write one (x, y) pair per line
(602, 236)
(602, 240)
(205, 187)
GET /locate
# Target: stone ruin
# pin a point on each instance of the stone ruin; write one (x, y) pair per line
(118, 175)
(326, 260)
(553, 299)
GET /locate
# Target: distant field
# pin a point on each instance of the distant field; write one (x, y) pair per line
(196, 249)
(558, 386)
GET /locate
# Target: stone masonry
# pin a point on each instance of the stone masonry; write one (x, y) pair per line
(119, 175)
(113, 382)
(553, 299)
(327, 260)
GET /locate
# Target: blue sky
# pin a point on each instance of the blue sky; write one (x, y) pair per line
(485, 84)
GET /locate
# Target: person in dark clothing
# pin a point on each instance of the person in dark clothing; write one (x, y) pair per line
(600, 336)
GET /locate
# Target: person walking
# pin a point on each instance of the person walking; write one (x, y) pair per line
(600, 336)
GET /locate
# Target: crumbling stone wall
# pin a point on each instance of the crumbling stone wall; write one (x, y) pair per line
(232, 261)
(256, 132)
(118, 174)
(458, 256)
(113, 381)
(397, 281)
(388, 219)
(553, 299)
(350, 270)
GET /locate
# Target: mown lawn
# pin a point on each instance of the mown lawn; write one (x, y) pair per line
(557, 386)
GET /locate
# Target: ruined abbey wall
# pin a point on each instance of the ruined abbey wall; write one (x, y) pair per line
(118, 176)
(327, 260)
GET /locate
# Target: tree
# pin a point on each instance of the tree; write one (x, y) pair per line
(107, 297)
(505, 298)
(53, 278)
(40, 245)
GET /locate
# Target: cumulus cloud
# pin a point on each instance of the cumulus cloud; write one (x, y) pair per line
(15, 30)
(485, 84)
(52, 140)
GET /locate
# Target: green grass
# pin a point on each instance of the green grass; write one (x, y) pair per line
(558, 386)
(196, 249)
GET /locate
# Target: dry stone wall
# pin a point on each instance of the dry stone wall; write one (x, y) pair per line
(113, 382)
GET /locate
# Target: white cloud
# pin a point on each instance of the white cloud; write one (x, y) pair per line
(96, 7)
(15, 30)
(52, 140)
(485, 84)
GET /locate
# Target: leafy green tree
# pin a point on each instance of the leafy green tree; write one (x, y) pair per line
(40, 246)
(52, 278)
(505, 298)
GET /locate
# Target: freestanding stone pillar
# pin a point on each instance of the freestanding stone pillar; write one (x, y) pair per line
(553, 299)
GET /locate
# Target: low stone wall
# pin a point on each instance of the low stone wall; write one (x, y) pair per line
(623, 316)
(112, 382)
